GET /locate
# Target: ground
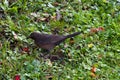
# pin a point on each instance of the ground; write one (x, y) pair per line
(92, 55)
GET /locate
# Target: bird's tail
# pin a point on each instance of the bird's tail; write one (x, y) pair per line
(72, 35)
(68, 36)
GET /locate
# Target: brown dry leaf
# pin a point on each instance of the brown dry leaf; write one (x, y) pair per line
(93, 74)
(49, 77)
(100, 29)
(93, 70)
(1, 63)
(53, 18)
(56, 3)
(71, 41)
(93, 30)
(100, 56)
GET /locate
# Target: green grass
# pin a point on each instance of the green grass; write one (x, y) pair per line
(18, 18)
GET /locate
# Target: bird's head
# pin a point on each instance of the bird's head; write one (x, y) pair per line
(33, 35)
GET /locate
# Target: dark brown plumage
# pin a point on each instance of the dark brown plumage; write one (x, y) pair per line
(47, 41)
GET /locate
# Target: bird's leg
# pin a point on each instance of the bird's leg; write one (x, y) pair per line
(44, 53)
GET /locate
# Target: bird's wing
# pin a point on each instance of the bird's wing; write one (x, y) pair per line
(50, 39)
(57, 39)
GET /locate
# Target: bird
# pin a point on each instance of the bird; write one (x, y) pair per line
(49, 41)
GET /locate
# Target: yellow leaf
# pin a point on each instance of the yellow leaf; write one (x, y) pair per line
(90, 45)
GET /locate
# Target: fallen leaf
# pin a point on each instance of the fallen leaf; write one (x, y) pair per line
(49, 62)
(100, 56)
(71, 41)
(17, 77)
(49, 77)
(35, 14)
(93, 74)
(93, 30)
(93, 69)
(1, 63)
(15, 35)
(26, 49)
(90, 45)
(42, 19)
(100, 29)
(53, 18)
(55, 3)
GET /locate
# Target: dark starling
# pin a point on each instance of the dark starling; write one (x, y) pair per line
(47, 41)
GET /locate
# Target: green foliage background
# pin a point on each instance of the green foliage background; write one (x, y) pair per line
(21, 17)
